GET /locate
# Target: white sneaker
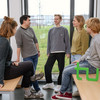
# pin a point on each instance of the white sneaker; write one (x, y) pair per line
(57, 89)
(48, 86)
(39, 94)
(32, 90)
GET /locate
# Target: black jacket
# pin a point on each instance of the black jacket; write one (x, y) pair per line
(5, 56)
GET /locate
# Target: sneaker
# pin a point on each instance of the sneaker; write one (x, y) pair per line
(48, 86)
(32, 90)
(57, 89)
(31, 96)
(65, 96)
(39, 94)
(75, 94)
(54, 97)
(37, 76)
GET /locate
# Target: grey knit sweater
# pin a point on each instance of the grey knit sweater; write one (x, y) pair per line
(58, 40)
(92, 55)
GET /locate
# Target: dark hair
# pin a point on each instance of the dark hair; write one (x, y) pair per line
(7, 27)
(23, 17)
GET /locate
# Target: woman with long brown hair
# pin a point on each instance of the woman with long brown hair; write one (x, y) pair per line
(9, 69)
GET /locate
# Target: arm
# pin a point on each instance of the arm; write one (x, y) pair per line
(36, 42)
(97, 47)
(48, 44)
(85, 55)
(37, 46)
(67, 44)
(18, 55)
(84, 42)
(19, 43)
(34, 38)
(4, 47)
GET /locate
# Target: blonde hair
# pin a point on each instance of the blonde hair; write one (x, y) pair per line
(58, 15)
(93, 24)
(81, 20)
(7, 27)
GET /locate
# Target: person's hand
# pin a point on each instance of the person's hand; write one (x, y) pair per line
(48, 55)
(1, 85)
(68, 55)
(38, 53)
(17, 60)
(75, 62)
(15, 63)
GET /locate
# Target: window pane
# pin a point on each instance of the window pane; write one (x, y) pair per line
(42, 19)
(82, 8)
(3, 10)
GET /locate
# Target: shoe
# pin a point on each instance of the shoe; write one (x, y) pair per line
(57, 89)
(54, 97)
(75, 94)
(39, 94)
(65, 96)
(37, 77)
(33, 96)
(48, 86)
(32, 90)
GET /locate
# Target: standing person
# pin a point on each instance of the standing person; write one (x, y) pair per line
(58, 46)
(80, 41)
(91, 60)
(28, 45)
(9, 69)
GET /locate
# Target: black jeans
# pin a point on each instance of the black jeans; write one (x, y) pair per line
(24, 68)
(60, 57)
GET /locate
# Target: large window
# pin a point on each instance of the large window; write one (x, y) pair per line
(42, 19)
(82, 8)
(42, 15)
(3, 10)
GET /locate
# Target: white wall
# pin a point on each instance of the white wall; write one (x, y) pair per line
(14, 12)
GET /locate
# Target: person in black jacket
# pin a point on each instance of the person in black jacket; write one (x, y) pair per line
(9, 69)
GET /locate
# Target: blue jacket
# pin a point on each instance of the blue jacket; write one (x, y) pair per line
(5, 56)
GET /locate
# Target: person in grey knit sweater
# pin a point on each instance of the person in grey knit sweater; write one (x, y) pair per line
(58, 45)
(90, 60)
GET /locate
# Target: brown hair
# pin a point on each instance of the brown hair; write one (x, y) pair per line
(93, 24)
(58, 15)
(81, 20)
(7, 27)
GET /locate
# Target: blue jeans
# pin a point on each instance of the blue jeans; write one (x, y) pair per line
(75, 57)
(34, 60)
(66, 85)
